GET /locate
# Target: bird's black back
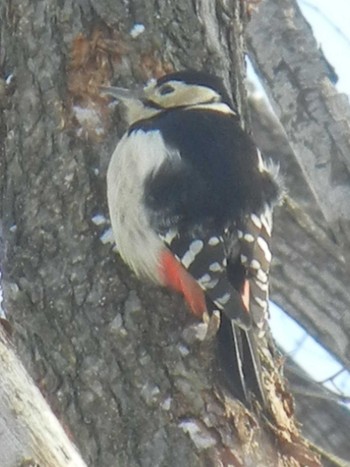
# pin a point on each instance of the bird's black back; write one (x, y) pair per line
(217, 157)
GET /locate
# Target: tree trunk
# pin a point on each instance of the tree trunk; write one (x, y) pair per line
(122, 362)
(30, 434)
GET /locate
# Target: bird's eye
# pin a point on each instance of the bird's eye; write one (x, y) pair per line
(166, 89)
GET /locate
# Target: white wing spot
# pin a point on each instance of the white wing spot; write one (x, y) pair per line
(248, 237)
(215, 267)
(244, 259)
(261, 302)
(190, 255)
(204, 280)
(262, 276)
(224, 299)
(213, 241)
(207, 282)
(196, 246)
(188, 259)
(211, 284)
(265, 248)
(262, 285)
(256, 221)
(240, 233)
(169, 236)
(255, 264)
(266, 219)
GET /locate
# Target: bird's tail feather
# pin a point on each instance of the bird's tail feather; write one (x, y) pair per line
(240, 361)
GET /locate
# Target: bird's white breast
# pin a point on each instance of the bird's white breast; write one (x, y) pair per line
(135, 157)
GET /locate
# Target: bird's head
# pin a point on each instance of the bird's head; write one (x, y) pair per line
(183, 89)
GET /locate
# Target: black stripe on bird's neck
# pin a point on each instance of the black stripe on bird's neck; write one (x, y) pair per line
(150, 123)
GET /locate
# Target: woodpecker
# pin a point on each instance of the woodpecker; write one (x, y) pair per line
(190, 200)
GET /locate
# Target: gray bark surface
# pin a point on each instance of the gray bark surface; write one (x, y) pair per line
(30, 434)
(310, 273)
(314, 115)
(118, 360)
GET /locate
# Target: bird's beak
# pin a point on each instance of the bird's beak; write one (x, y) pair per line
(132, 100)
(122, 94)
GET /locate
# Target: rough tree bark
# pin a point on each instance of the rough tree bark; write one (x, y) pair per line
(314, 116)
(120, 361)
(30, 434)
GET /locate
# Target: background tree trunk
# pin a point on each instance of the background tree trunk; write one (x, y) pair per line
(30, 434)
(310, 273)
(311, 276)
